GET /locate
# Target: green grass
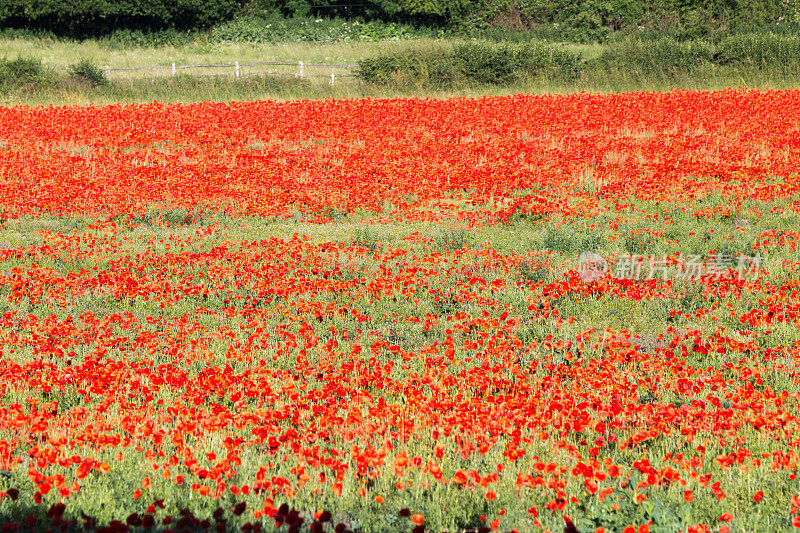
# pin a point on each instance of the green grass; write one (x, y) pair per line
(147, 86)
(186, 89)
(61, 53)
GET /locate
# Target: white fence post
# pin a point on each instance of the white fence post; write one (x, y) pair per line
(174, 70)
(237, 69)
(300, 68)
(108, 71)
(332, 77)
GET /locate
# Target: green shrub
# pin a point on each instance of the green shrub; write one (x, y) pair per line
(761, 49)
(23, 72)
(662, 55)
(478, 62)
(438, 68)
(88, 71)
(379, 69)
(497, 65)
(538, 56)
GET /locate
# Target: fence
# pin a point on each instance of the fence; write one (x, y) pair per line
(299, 69)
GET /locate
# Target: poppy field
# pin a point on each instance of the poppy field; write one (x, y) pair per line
(375, 315)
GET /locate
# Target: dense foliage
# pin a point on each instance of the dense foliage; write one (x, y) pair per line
(484, 62)
(93, 17)
(567, 19)
(276, 29)
(474, 62)
(23, 72)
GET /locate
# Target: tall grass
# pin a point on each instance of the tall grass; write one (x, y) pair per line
(423, 67)
(62, 53)
(185, 89)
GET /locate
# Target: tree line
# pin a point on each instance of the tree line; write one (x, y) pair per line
(80, 18)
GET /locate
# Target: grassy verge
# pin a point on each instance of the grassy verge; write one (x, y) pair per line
(57, 52)
(186, 89)
(414, 67)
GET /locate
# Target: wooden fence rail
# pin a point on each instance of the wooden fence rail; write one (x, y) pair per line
(236, 66)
